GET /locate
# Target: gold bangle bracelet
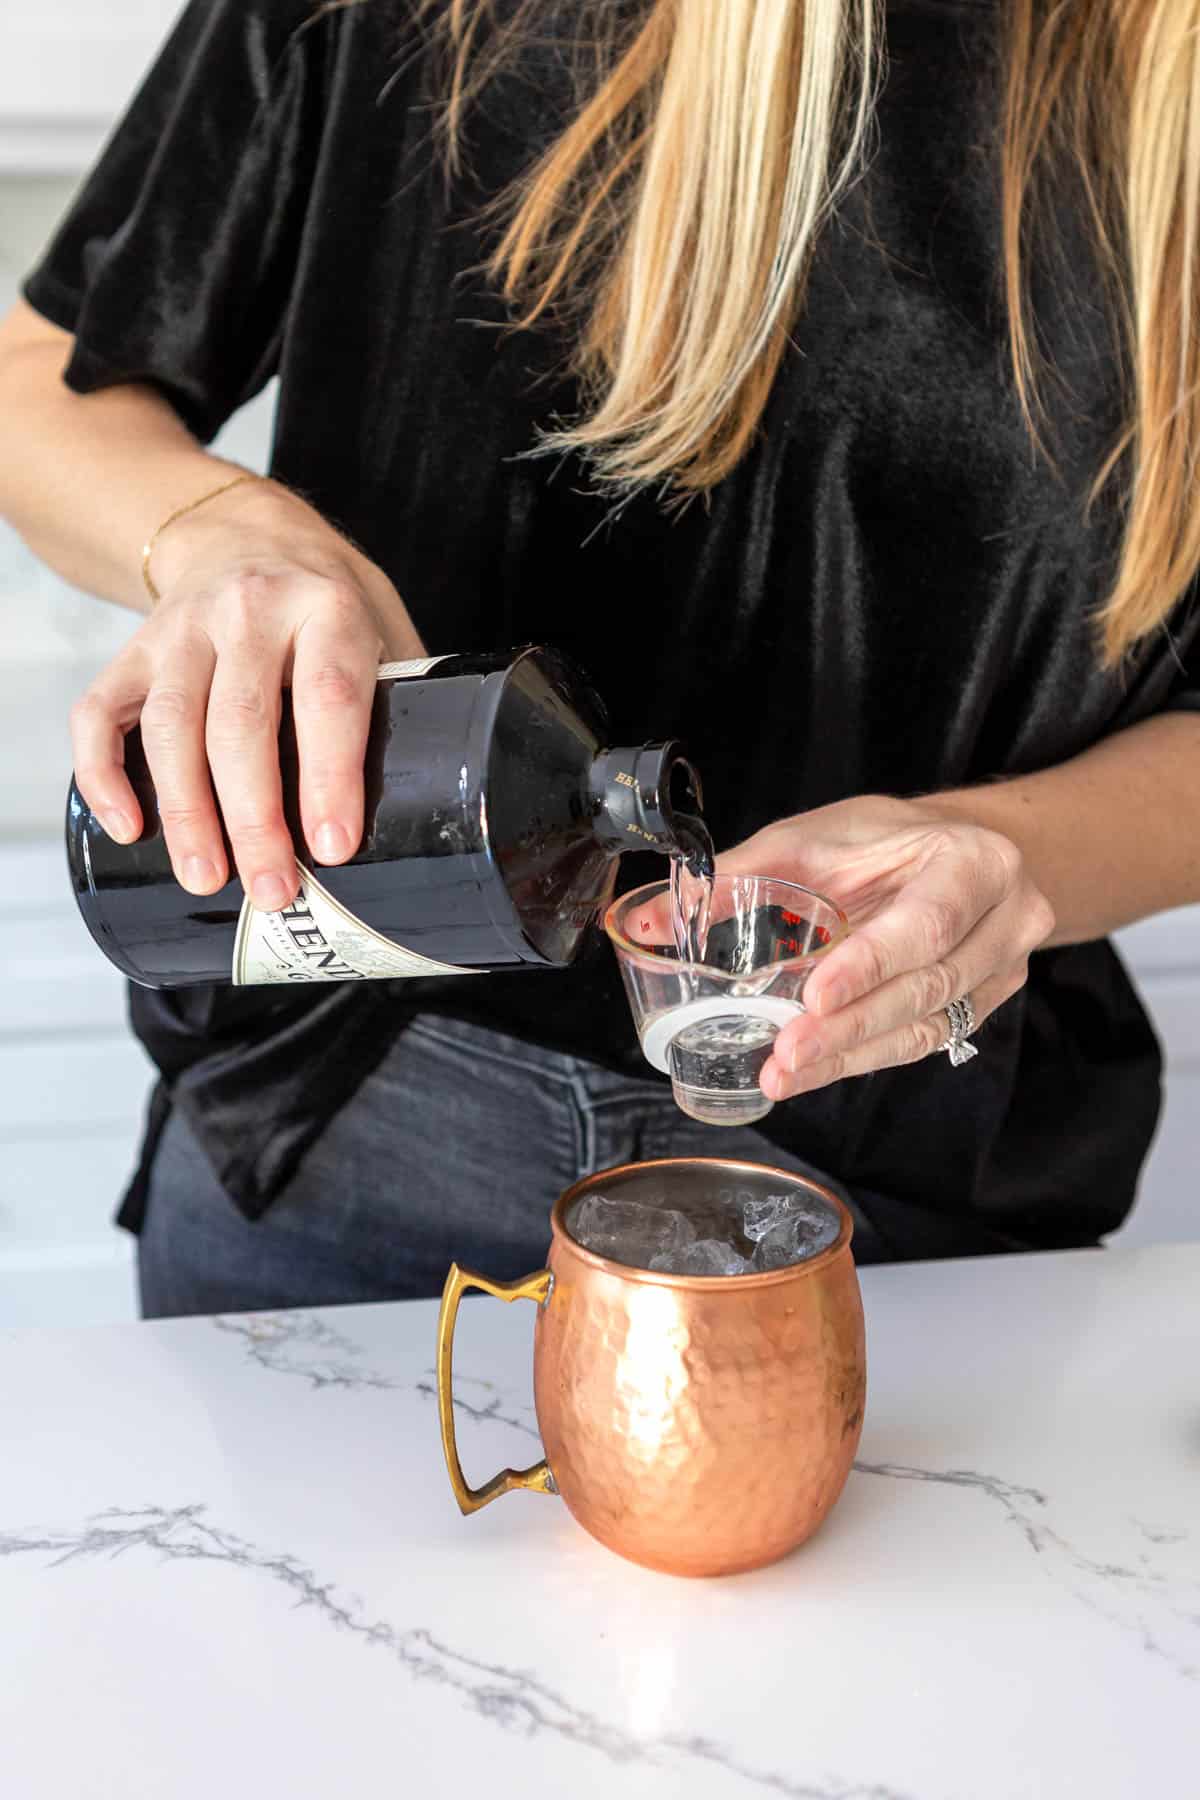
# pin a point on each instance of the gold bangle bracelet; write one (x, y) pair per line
(148, 546)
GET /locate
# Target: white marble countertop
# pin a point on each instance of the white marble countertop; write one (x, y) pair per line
(230, 1565)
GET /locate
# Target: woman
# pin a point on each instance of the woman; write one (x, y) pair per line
(876, 488)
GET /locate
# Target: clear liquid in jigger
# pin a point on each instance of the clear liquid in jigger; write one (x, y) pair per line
(715, 1066)
(715, 1062)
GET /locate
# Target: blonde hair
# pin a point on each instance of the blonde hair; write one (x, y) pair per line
(674, 220)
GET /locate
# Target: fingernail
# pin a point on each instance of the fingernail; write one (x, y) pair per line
(119, 826)
(830, 998)
(808, 1051)
(332, 842)
(269, 892)
(199, 875)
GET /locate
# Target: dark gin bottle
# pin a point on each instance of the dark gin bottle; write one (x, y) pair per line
(495, 814)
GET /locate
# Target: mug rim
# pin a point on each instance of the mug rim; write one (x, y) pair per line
(629, 951)
(659, 1277)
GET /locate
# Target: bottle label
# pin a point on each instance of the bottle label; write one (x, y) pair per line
(407, 671)
(316, 938)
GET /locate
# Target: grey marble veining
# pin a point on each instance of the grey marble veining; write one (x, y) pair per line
(229, 1557)
(1135, 1594)
(1130, 1594)
(513, 1700)
(301, 1345)
(490, 1406)
(304, 1346)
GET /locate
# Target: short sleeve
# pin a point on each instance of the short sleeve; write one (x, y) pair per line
(175, 263)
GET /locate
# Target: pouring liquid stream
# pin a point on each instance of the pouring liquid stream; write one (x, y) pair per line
(715, 1061)
(692, 890)
(692, 871)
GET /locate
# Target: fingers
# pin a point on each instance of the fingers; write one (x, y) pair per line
(891, 1029)
(99, 720)
(257, 590)
(242, 741)
(173, 718)
(907, 1043)
(333, 687)
(923, 925)
(904, 1019)
(939, 908)
(1002, 938)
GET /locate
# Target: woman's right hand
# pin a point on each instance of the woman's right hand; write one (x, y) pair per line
(258, 593)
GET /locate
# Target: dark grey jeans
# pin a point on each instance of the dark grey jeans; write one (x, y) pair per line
(454, 1150)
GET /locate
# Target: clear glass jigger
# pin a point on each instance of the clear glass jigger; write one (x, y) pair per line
(710, 1025)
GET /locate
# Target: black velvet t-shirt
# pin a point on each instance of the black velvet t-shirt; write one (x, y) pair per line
(891, 593)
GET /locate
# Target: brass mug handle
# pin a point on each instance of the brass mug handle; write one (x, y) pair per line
(539, 1479)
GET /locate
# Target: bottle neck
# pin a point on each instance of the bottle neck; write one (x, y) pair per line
(649, 798)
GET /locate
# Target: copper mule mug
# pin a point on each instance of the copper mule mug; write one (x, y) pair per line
(700, 1425)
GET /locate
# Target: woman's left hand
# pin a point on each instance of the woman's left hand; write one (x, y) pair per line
(940, 908)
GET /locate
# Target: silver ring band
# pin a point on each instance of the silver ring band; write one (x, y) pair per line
(960, 1015)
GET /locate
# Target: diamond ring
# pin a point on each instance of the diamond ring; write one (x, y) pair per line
(961, 1017)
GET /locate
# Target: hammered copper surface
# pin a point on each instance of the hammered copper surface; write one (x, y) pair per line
(700, 1426)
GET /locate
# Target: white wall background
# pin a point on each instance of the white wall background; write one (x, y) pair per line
(72, 1081)
(66, 70)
